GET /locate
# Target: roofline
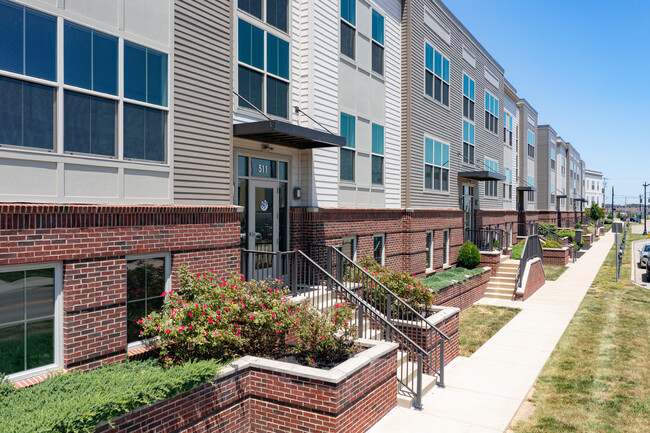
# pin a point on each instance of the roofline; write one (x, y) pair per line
(509, 86)
(523, 100)
(594, 172)
(548, 127)
(444, 9)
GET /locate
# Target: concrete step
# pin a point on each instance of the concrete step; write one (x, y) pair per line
(500, 286)
(498, 295)
(499, 292)
(506, 265)
(503, 279)
(406, 400)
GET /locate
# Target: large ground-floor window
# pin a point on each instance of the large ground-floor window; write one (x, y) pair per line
(29, 318)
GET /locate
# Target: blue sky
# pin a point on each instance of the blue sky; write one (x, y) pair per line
(583, 65)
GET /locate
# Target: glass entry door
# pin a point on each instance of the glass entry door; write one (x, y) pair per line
(263, 216)
(468, 209)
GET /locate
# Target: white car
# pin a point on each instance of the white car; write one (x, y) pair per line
(645, 251)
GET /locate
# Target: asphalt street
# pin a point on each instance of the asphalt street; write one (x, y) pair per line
(638, 273)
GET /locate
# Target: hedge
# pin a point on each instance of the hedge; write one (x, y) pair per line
(79, 401)
(448, 277)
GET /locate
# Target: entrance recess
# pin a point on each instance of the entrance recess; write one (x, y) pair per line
(468, 209)
(264, 219)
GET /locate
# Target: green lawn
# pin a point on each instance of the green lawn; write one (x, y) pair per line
(598, 377)
(480, 322)
(553, 272)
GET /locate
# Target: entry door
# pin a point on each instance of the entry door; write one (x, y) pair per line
(264, 216)
(468, 208)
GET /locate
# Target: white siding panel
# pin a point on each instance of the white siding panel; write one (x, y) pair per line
(377, 98)
(87, 181)
(144, 184)
(363, 94)
(27, 178)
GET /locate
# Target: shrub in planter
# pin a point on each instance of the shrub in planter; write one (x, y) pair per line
(6, 386)
(468, 256)
(546, 229)
(551, 244)
(404, 285)
(448, 277)
(571, 234)
(220, 318)
(327, 337)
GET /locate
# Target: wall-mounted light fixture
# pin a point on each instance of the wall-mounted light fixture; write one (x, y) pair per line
(297, 193)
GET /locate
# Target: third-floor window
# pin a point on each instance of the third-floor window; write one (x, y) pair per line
(531, 144)
(468, 97)
(491, 113)
(436, 75)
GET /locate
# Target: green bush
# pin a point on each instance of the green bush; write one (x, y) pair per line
(546, 229)
(468, 256)
(571, 234)
(551, 244)
(405, 286)
(77, 402)
(518, 249)
(609, 220)
(577, 225)
(448, 277)
(6, 387)
(326, 338)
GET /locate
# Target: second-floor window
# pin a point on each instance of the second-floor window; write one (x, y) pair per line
(348, 153)
(491, 113)
(468, 98)
(507, 129)
(436, 165)
(263, 70)
(273, 12)
(491, 185)
(377, 42)
(468, 142)
(531, 144)
(377, 154)
(348, 27)
(553, 159)
(436, 75)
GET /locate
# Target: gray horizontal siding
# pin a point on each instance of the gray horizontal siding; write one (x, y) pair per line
(202, 102)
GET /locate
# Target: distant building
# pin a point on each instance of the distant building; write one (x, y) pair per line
(594, 187)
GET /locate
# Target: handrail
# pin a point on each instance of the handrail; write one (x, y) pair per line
(484, 238)
(532, 249)
(295, 265)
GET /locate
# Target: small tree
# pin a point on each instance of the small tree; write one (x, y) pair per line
(469, 256)
(595, 212)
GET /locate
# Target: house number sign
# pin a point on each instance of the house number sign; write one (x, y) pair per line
(263, 168)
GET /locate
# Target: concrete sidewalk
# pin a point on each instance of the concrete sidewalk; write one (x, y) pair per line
(485, 390)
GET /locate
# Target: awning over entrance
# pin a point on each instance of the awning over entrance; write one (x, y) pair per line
(562, 196)
(287, 134)
(526, 188)
(481, 176)
(581, 200)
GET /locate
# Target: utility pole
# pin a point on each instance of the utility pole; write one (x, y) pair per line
(645, 203)
(612, 202)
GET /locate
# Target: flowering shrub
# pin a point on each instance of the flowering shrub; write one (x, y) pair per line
(404, 285)
(325, 337)
(216, 318)
(551, 244)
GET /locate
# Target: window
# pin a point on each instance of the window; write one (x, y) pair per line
(26, 114)
(491, 185)
(507, 129)
(436, 165)
(89, 124)
(29, 321)
(491, 113)
(348, 30)
(90, 59)
(468, 97)
(28, 47)
(436, 75)
(428, 249)
(378, 248)
(507, 185)
(254, 77)
(348, 130)
(276, 11)
(553, 159)
(468, 142)
(145, 74)
(445, 247)
(377, 42)
(531, 144)
(552, 193)
(349, 248)
(377, 154)
(146, 282)
(145, 132)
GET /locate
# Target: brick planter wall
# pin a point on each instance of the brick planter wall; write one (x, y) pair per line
(492, 260)
(261, 395)
(93, 244)
(445, 319)
(534, 278)
(588, 238)
(463, 295)
(556, 256)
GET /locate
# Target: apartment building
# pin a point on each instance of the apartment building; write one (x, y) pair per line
(594, 188)
(527, 157)
(547, 171)
(510, 147)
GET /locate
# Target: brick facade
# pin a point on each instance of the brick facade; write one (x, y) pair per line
(536, 279)
(93, 244)
(556, 256)
(491, 260)
(256, 398)
(464, 294)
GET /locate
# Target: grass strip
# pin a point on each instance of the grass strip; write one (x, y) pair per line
(479, 323)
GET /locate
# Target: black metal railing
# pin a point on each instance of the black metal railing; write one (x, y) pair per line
(526, 229)
(323, 286)
(532, 249)
(488, 238)
(549, 234)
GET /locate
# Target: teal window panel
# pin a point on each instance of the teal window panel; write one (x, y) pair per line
(348, 129)
(465, 85)
(471, 133)
(428, 151)
(135, 72)
(349, 11)
(437, 153)
(378, 27)
(277, 56)
(445, 156)
(438, 66)
(471, 89)
(428, 57)
(156, 78)
(377, 139)
(465, 131)
(251, 44)
(445, 69)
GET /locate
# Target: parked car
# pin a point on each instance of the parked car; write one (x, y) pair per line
(634, 220)
(647, 274)
(643, 260)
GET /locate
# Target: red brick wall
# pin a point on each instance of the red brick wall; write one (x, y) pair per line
(491, 260)
(463, 295)
(405, 233)
(93, 243)
(536, 279)
(558, 257)
(257, 399)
